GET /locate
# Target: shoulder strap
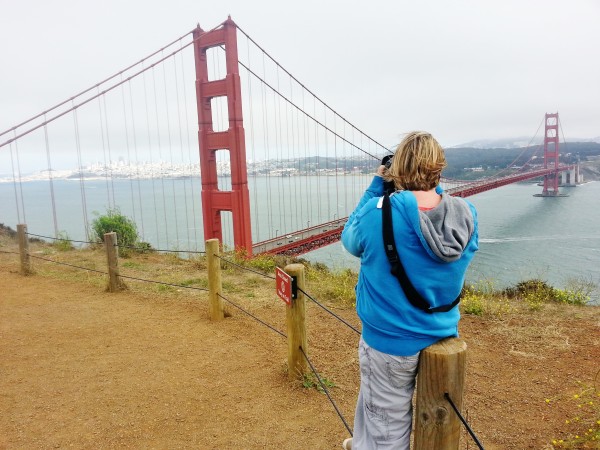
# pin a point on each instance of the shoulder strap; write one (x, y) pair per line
(398, 269)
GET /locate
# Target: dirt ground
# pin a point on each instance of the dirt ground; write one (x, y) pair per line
(82, 368)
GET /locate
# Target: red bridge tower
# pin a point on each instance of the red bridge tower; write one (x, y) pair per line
(233, 139)
(551, 156)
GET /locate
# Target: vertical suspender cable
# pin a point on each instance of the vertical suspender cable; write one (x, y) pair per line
(110, 161)
(50, 179)
(162, 179)
(289, 119)
(307, 166)
(317, 152)
(328, 177)
(268, 152)
(335, 155)
(128, 151)
(279, 152)
(187, 220)
(190, 175)
(81, 179)
(152, 172)
(137, 162)
(12, 163)
(298, 136)
(171, 154)
(104, 151)
(20, 181)
(348, 174)
(252, 143)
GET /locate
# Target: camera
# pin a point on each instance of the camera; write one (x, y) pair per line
(387, 161)
(388, 186)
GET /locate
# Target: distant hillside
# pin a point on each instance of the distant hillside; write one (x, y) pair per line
(490, 160)
(518, 142)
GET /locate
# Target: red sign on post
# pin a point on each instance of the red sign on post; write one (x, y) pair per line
(283, 285)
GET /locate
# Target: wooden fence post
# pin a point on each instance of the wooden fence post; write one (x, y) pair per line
(296, 325)
(24, 249)
(215, 287)
(441, 370)
(110, 244)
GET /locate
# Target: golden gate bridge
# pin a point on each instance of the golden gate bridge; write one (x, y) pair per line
(250, 128)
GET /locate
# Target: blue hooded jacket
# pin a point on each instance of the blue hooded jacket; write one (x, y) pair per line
(435, 248)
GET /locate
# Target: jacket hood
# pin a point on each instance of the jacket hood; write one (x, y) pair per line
(448, 227)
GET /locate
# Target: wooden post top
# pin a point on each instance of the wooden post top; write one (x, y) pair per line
(447, 346)
(294, 268)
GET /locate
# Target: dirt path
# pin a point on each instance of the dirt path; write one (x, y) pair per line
(80, 368)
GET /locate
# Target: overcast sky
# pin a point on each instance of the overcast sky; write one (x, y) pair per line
(463, 70)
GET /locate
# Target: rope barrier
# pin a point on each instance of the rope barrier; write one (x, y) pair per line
(12, 253)
(61, 239)
(67, 264)
(326, 391)
(121, 276)
(149, 249)
(121, 246)
(162, 282)
(447, 397)
(245, 268)
(330, 312)
(301, 290)
(253, 316)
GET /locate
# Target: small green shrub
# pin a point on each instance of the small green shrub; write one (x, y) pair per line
(528, 286)
(535, 300)
(114, 221)
(537, 292)
(63, 243)
(571, 297)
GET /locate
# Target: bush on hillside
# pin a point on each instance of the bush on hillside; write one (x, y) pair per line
(114, 221)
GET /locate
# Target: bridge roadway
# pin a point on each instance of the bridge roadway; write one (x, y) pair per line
(303, 241)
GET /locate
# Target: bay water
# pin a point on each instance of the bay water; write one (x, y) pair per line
(521, 236)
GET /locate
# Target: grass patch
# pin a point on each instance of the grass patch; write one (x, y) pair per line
(310, 381)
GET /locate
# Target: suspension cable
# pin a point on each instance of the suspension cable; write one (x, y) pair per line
(309, 116)
(84, 102)
(94, 86)
(303, 86)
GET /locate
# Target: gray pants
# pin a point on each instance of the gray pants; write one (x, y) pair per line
(383, 418)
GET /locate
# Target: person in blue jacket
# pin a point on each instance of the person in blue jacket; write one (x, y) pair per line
(435, 237)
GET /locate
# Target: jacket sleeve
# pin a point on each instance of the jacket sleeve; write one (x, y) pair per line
(351, 238)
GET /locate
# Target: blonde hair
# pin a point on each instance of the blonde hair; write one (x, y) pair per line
(417, 164)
